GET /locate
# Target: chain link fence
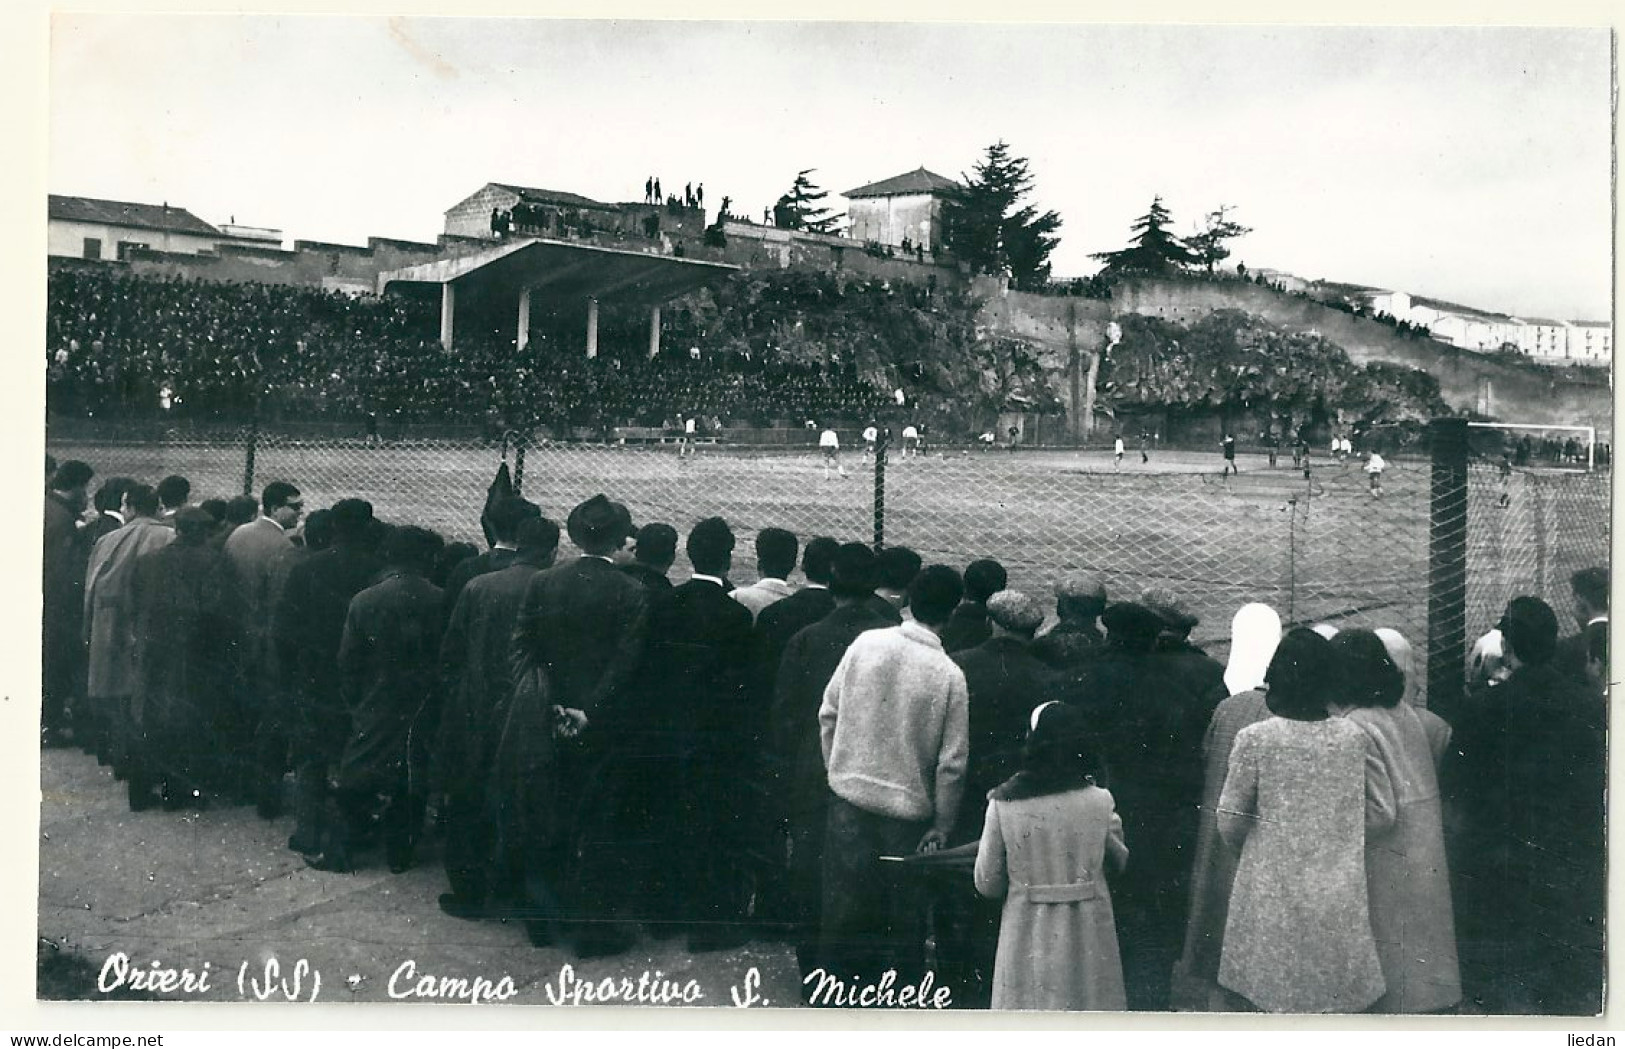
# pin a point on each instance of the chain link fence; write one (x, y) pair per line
(1436, 556)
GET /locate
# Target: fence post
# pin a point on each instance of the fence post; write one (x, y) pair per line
(1447, 565)
(880, 489)
(248, 457)
(1292, 560)
(519, 462)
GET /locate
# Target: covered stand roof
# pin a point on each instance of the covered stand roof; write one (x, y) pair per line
(566, 270)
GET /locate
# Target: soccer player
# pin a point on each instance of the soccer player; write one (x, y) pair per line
(870, 436)
(1374, 467)
(911, 441)
(1228, 445)
(685, 440)
(1117, 452)
(1506, 481)
(830, 442)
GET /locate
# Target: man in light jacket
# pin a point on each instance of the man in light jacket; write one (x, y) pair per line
(894, 727)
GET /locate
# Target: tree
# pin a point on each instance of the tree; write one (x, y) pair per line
(986, 224)
(1207, 244)
(799, 208)
(1154, 251)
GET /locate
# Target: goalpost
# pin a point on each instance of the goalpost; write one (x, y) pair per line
(1542, 430)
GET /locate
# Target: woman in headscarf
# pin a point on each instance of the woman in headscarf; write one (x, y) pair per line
(1048, 835)
(1436, 727)
(1254, 633)
(1407, 876)
(1298, 802)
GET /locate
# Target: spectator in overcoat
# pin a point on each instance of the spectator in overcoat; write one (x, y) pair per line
(1076, 636)
(67, 549)
(968, 626)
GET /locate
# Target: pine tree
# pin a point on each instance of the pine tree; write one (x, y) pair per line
(799, 208)
(1207, 244)
(986, 224)
(1154, 251)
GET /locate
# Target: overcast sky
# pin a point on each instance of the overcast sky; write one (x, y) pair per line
(1466, 164)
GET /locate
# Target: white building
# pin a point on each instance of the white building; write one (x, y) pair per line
(88, 228)
(1542, 339)
(905, 207)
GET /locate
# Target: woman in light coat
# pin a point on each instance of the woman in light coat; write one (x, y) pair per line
(1436, 727)
(1407, 876)
(1047, 838)
(1297, 803)
(1254, 633)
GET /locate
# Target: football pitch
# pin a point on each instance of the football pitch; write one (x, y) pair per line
(1322, 548)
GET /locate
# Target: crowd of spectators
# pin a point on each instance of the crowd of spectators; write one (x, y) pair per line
(131, 347)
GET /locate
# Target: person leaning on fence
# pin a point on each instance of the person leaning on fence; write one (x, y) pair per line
(1050, 835)
(894, 734)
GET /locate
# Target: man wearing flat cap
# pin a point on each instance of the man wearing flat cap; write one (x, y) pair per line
(583, 623)
(1202, 675)
(1079, 601)
(1147, 726)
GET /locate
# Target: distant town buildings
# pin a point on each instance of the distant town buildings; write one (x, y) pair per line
(106, 230)
(1541, 339)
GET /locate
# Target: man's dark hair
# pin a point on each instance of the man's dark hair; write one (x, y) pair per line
(352, 521)
(319, 530)
(983, 579)
(1591, 586)
(143, 499)
(852, 571)
(506, 515)
(934, 594)
(72, 474)
(776, 551)
(240, 509)
(656, 545)
(409, 546)
(817, 559)
(277, 494)
(1367, 676)
(1530, 630)
(537, 535)
(216, 508)
(896, 567)
(710, 546)
(111, 493)
(173, 491)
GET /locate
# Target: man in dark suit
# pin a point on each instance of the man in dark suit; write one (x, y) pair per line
(694, 730)
(584, 623)
(1200, 673)
(1590, 587)
(67, 549)
(968, 626)
(309, 627)
(653, 553)
(1005, 681)
(1525, 781)
(782, 620)
(475, 659)
(503, 518)
(387, 660)
(809, 662)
